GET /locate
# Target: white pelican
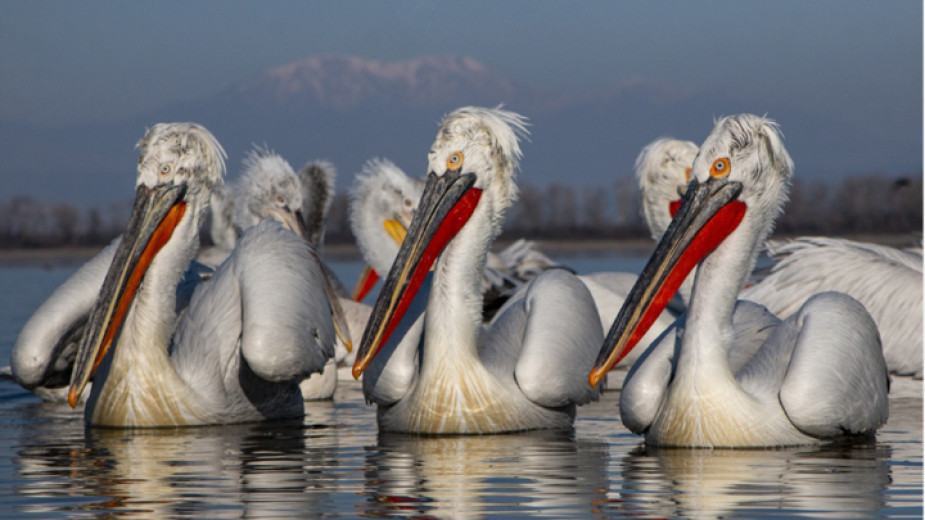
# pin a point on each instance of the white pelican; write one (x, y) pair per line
(383, 201)
(248, 335)
(450, 374)
(819, 374)
(887, 280)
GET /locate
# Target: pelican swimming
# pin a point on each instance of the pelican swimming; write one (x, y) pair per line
(886, 280)
(449, 373)
(268, 186)
(818, 375)
(249, 334)
(383, 201)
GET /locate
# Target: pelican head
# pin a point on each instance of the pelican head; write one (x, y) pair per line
(662, 171)
(269, 188)
(471, 173)
(382, 198)
(180, 164)
(738, 186)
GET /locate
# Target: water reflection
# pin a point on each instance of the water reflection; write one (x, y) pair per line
(839, 481)
(250, 470)
(471, 476)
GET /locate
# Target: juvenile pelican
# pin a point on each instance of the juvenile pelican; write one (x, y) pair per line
(248, 335)
(450, 374)
(382, 203)
(269, 187)
(819, 375)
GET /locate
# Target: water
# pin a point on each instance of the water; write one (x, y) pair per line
(334, 463)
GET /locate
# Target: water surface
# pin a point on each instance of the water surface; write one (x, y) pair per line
(334, 463)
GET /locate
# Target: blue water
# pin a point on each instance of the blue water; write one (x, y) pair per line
(334, 463)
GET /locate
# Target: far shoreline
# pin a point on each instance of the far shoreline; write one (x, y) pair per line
(63, 256)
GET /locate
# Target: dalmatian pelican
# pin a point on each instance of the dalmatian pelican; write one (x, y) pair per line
(248, 335)
(819, 375)
(383, 201)
(886, 280)
(448, 373)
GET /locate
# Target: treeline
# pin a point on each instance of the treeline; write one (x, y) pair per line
(858, 205)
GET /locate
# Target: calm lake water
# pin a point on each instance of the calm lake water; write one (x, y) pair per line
(334, 463)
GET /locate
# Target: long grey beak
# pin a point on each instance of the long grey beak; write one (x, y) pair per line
(155, 215)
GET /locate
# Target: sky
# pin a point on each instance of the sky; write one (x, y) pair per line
(70, 62)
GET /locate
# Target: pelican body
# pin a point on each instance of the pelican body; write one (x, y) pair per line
(441, 371)
(816, 376)
(238, 350)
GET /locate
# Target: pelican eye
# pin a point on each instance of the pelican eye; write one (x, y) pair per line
(279, 199)
(687, 175)
(166, 168)
(454, 161)
(720, 167)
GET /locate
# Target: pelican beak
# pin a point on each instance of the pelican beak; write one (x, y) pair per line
(446, 205)
(396, 229)
(293, 221)
(155, 215)
(365, 283)
(706, 215)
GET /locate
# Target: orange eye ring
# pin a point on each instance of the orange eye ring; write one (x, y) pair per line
(720, 167)
(687, 175)
(454, 161)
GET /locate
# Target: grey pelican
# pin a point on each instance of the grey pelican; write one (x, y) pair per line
(449, 373)
(269, 187)
(818, 375)
(249, 333)
(887, 280)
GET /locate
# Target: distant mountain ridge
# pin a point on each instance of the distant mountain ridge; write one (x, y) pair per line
(348, 109)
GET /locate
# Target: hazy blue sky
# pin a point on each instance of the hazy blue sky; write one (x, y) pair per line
(65, 62)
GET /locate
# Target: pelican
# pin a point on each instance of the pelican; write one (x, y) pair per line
(819, 374)
(248, 335)
(886, 280)
(268, 186)
(449, 373)
(383, 201)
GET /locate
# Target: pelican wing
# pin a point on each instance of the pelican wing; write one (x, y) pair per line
(561, 338)
(46, 346)
(287, 332)
(886, 280)
(647, 381)
(827, 362)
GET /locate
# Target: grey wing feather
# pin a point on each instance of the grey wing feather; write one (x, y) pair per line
(886, 280)
(837, 380)
(287, 332)
(647, 380)
(46, 342)
(561, 339)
